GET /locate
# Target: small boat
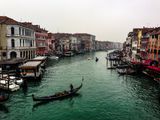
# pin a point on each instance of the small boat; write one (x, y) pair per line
(111, 67)
(53, 57)
(68, 54)
(16, 80)
(4, 97)
(152, 72)
(125, 70)
(12, 86)
(57, 96)
(97, 59)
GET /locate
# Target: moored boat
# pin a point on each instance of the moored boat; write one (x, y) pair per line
(125, 70)
(16, 80)
(58, 96)
(4, 97)
(53, 57)
(152, 72)
(68, 54)
(31, 70)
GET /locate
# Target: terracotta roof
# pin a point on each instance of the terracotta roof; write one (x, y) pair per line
(8, 21)
(37, 28)
(61, 35)
(80, 34)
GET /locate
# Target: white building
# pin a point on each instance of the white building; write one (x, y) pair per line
(20, 39)
(75, 44)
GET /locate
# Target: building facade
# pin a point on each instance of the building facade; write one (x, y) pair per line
(51, 50)
(87, 41)
(18, 40)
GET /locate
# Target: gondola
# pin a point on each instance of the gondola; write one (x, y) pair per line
(4, 97)
(96, 59)
(57, 96)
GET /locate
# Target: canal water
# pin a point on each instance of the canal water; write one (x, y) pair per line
(104, 96)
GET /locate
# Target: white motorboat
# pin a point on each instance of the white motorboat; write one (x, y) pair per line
(54, 57)
(68, 54)
(12, 85)
(16, 80)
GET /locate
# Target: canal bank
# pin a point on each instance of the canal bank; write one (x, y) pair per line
(104, 95)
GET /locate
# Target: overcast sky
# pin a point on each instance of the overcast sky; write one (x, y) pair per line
(109, 20)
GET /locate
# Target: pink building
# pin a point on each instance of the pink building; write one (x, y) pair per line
(50, 44)
(41, 37)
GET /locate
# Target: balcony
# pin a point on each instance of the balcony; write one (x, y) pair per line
(20, 48)
(12, 35)
(41, 39)
(17, 35)
(41, 46)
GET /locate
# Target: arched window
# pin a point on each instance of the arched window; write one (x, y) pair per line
(12, 30)
(13, 55)
(24, 54)
(21, 54)
(12, 43)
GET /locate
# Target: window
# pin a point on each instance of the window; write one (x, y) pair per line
(20, 42)
(12, 43)
(4, 54)
(13, 54)
(21, 54)
(27, 32)
(22, 31)
(19, 31)
(31, 43)
(23, 42)
(12, 30)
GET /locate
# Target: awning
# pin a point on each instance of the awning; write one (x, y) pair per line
(30, 65)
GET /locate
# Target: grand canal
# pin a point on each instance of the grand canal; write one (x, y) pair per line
(104, 96)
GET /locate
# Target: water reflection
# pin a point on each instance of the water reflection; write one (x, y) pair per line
(25, 87)
(4, 108)
(144, 91)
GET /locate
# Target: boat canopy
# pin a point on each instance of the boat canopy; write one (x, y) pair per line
(12, 62)
(39, 58)
(31, 65)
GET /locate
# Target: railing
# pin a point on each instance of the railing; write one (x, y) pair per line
(17, 35)
(41, 46)
(19, 48)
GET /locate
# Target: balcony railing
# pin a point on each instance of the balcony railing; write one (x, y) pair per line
(41, 45)
(17, 35)
(14, 35)
(20, 48)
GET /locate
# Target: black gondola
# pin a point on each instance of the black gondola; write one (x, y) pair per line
(57, 96)
(4, 97)
(96, 59)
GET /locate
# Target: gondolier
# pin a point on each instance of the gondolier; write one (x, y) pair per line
(71, 87)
